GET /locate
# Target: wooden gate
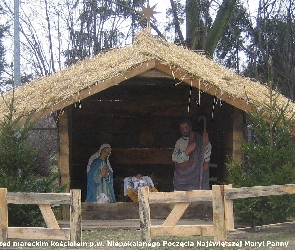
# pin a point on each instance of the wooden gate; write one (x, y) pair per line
(44, 200)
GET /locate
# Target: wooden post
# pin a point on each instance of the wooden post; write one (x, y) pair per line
(64, 155)
(3, 214)
(238, 135)
(218, 213)
(75, 216)
(228, 212)
(64, 149)
(144, 214)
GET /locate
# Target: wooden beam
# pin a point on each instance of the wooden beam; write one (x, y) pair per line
(218, 213)
(228, 212)
(38, 198)
(64, 150)
(144, 214)
(182, 230)
(38, 233)
(180, 196)
(75, 216)
(176, 214)
(142, 156)
(238, 135)
(257, 191)
(95, 88)
(135, 108)
(155, 73)
(204, 86)
(48, 216)
(3, 215)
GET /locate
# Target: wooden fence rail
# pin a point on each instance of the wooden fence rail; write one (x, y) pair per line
(230, 194)
(44, 200)
(222, 197)
(169, 227)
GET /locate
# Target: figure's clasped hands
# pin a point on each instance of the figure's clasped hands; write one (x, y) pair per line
(104, 171)
(190, 148)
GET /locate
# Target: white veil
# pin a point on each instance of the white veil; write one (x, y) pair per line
(97, 154)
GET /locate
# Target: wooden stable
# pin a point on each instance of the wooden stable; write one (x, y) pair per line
(140, 118)
(133, 98)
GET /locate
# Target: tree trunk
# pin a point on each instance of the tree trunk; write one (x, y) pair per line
(219, 25)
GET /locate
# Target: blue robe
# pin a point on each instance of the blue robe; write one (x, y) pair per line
(97, 184)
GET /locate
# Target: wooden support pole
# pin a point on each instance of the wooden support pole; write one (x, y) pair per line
(218, 213)
(64, 149)
(75, 216)
(144, 214)
(228, 212)
(3, 214)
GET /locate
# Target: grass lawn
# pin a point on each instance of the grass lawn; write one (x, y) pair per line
(251, 241)
(130, 239)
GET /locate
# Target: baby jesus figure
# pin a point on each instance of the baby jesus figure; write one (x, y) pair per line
(131, 185)
(139, 181)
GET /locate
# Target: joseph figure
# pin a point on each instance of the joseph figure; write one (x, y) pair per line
(191, 155)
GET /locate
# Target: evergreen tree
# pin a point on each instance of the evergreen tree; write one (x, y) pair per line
(269, 159)
(17, 169)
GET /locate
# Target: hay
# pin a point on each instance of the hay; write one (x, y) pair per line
(45, 92)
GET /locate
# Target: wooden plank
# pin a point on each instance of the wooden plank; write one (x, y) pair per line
(38, 233)
(182, 230)
(135, 108)
(180, 196)
(122, 124)
(238, 135)
(176, 214)
(75, 216)
(93, 90)
(257, 191)
(3, 214)
(205, 86)
(64, 149)
(48, 216)
(144, 214)
(207, 230)
(218, 213)
(142, 156)
(228, 212)
(38, 198)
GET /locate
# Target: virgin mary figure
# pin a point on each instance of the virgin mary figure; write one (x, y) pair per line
(100, 177)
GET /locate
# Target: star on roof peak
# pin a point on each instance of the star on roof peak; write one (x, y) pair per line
(148, 14)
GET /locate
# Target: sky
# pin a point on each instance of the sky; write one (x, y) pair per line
(161, 7)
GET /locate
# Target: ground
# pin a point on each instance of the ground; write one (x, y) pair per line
(279, 236)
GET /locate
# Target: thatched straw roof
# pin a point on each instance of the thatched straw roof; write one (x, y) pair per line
(48, 94)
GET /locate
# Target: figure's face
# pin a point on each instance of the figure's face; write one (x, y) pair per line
(139, 176)
(105, 153)
(185, 129)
